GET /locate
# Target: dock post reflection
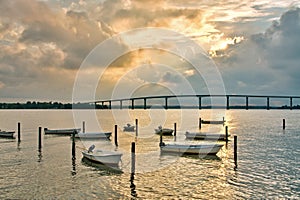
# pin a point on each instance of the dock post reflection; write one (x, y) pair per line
(226, 134)
(132, 185)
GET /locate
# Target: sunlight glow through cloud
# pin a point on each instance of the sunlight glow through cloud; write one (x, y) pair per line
(241, 37)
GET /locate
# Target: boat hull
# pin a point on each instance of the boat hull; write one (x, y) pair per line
(201, 149)
(212, 122)
(205, 136)
(102, 135)
(61, 131)
(129, 128)
(7, 134)
(164, 131)
(103, 157)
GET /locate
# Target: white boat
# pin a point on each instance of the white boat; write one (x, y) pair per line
(163, 131)
(101, 156)
(62, 131)
(205, 136)
(91, 135)
(202, 149)
(129, 128)
(7, 134)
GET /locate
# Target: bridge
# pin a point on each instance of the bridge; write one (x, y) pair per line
(166, 98)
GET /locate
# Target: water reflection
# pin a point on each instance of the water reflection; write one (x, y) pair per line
(73, 171)
(40, 155)
(191, 156)
(132, 185)
(105, 170)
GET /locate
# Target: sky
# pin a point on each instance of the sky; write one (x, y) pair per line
(252, 47)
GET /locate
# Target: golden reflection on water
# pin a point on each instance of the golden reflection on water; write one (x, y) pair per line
(55, 172)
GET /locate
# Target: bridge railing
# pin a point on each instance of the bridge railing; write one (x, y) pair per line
(132, 100)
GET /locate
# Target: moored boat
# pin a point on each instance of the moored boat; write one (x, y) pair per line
(102, 156)
(129, 128)
(212, 122)
(93, 135)
(7, 134)
(62, 131)
(163, 131)
(201, 149)
(205, 136)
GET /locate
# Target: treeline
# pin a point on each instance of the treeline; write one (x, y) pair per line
(50, 105)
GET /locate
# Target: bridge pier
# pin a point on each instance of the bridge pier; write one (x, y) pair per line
(247, 102)
(132, 104)
(200, 103)
(109, 104)
(166, 103)
(145, 103)
(268, 103)
(291, 103)
(121, 104)
(227, 102)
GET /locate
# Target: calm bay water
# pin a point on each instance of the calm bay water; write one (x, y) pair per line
(268, 157)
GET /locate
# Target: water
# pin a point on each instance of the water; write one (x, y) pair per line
(268, 157)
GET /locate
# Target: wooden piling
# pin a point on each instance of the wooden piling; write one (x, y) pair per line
(132, 158)
(175, 127)
(73, 146)
(19, 132)
(136, 127)
(160, 139)
(40, 138)
(226, 133)
(283, 124)
(200, 123)
(116, 135)
(83, 126)
(235, 151)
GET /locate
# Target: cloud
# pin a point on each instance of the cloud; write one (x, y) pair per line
(266, 62)
(39, 39)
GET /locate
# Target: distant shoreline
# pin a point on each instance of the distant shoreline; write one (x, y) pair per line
(61, 106)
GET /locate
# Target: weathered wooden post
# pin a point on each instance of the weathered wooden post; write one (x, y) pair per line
(83, 126)
(136, 127)
(283, 124)
(73, 145)
(19, 132)
(200, 122)
(160, 139)
(226, 133)
(133, 157)
(235, 151)
(132, 185)
(40, 138)
(116, 135)
(175, 129)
